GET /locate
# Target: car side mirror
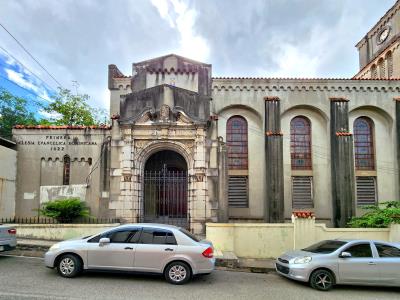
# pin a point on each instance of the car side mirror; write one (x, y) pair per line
(345, 254)
(104, 241)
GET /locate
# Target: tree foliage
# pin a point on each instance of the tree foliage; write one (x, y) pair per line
(65, 210)
(69, 109)
(378, 216)
(13, 111)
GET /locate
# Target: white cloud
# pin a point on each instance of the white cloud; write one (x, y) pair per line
(179, 16)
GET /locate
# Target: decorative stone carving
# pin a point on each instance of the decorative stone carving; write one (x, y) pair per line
(164, 113)
(127, 178)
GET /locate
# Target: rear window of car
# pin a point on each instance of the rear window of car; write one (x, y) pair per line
(325, 247)
(189, 234)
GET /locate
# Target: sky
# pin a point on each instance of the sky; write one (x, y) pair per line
(75, 40)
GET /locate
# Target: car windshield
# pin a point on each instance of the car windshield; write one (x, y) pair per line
(189, 234)
(325, 247)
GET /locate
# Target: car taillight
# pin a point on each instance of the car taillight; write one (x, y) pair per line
(208, 252)
(12, 231)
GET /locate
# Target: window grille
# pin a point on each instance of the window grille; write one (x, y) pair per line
(366, 190)
(374, 72)
(300, 143)
(364, 144)
(389, 62)
(236, 140)
(382, 69)
(66, 170)
(238, 191)
(302, 192)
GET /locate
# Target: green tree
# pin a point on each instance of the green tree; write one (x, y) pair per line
(69, 109)
(378, 216)
(13, 111)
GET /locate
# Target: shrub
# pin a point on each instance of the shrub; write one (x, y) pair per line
(378, 216)
(65, 210)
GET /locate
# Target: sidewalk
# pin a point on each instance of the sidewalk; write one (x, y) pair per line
(224, 260)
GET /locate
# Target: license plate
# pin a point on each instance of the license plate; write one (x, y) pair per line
(1, 248)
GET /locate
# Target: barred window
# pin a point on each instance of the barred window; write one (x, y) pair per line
(364, 144)
(238, 191)
(236, 140)
(300, 143)
(67, 170)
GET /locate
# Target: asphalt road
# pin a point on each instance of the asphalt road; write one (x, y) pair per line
(27, 278)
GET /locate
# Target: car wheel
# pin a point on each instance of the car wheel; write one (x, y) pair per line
(69, 266)
(177, 273)
(322, 280)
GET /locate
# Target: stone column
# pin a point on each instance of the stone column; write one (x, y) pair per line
(223, 208)
(342, 163)
(397, 121)
(274, 212)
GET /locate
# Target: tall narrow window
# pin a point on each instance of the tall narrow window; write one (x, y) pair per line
(67, 170)
(382, 69)
(236, 140)
(389, 63)
(300, 143)
(237, 143)
(364, 144)
(374, 73)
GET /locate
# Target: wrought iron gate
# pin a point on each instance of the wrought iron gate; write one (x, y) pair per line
(165, 197)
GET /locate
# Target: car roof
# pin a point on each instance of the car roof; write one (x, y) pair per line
(163, 226)
(363, 241)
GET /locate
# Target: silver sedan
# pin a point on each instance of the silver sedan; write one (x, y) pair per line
(8, 240)
(355, 262)
(152, 248)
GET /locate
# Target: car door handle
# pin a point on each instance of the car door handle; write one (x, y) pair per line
(128, 248)
(168, 249)
(371, 263)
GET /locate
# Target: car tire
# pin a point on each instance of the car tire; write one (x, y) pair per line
(178, 273)
(69, 266)
(322, 280)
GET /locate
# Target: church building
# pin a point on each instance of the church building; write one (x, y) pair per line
(187, 148)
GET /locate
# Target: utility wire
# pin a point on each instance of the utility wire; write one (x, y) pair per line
(8, 53)
(22, 46)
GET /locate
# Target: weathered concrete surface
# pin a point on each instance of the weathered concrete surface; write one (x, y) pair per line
(59, 232)
(8, 172)
(342, 168)
(51, 193)
(274, 206)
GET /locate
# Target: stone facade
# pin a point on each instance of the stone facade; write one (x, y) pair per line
(171, 117)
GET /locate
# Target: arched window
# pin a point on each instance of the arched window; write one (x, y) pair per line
(389, 63)
(236, 140)
(374, 73)
(66, 170)
(382, 69)
(364, 144)
(300, 143)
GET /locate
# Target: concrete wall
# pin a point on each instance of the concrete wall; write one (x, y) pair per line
(8, 172)
(59, 232)
(40, 164)
(265, 240)
(308, 97)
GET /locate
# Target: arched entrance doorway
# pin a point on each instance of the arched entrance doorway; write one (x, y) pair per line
(166, 189)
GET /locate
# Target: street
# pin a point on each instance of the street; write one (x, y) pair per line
(27, 278)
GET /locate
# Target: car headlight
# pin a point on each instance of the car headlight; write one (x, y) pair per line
(303, 260)
(54, 247)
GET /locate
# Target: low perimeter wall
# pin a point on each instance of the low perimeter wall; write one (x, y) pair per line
(59, 232)
(263, 240)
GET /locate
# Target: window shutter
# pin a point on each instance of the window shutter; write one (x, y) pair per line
(302, 196)
(238, 191)
(366, 190)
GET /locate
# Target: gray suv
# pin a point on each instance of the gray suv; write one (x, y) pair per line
(152, 248)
